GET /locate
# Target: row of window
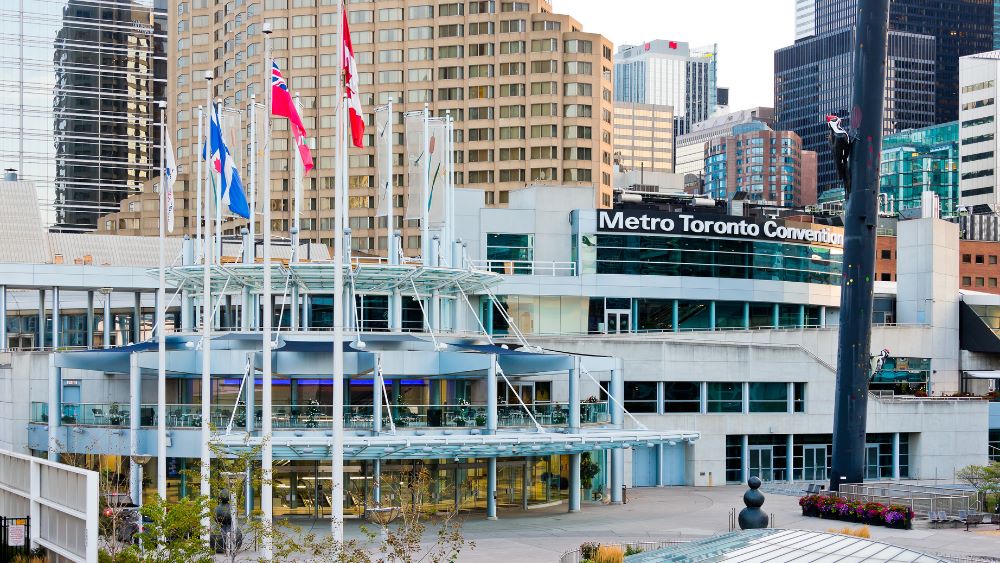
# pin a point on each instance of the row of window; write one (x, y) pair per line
(665, 397)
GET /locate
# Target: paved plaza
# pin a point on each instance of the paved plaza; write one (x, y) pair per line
(672, 513)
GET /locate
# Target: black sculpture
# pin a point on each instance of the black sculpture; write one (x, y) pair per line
(841, 144)
(752, 517)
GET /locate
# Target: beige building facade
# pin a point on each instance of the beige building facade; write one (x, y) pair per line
(529, 90)
(644, 137)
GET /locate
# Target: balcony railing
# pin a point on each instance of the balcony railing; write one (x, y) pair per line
(314, 416)
(526, 267)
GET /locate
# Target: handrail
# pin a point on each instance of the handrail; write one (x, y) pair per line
(526, 267)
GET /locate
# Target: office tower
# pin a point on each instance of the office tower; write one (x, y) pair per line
(812, 78)
(916, 161)
(81, 79)
(959, 28)
(669, 73)
(529, 90)
(805, 19)
(690, 147)
(644, 137)
(765, 165)
(978, 129)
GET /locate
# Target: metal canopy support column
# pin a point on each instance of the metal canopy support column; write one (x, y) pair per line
(134, 404)
(574, 482)
(491, 488)
(790, 458)
(55, 412)
(107, 317)
(895, 456)
(617, 419)
(41, 319)
(55, 318)
(491, 397)
(90, 322)
(137, 319)
(3, 316)
(860, 223)
(573, 376)
(246, 303)
(294, 289)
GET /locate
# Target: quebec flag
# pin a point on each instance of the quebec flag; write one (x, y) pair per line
(232, 192)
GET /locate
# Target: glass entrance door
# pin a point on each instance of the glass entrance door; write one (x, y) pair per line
(525, 390)
(618, 320)
(871, 462)
(762, 462)
(814, 463)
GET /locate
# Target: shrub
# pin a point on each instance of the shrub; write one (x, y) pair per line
(862, 532)
(609, 554)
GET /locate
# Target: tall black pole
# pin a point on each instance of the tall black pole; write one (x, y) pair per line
(860, 221)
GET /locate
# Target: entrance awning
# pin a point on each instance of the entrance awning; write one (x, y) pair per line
(991, 374)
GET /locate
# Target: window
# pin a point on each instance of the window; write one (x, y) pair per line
(386, 35)
(967, 258)
(480, 92)
(540, 110)
(390, 56)
(578, 110)
(513, 26)
(516, 111)
(544, 174)
(993, 259)
(511, 69)
(451, 72)
(511, 47)
(482, 7)
(481, 50)
(886, 255)
(768, 397)
(420, 74)
(450, 51)
(481, 28)
(577, 175)
(451, 30)
(455, 9)
(546, 26)
(578, 89)
(512, 132)
(799, 397)
(420, 33)
(390, 76)
(421, 12)
(980, 259)
(361, 16)
(681, 396)
(511, 90)
(544, 87)
(578, 46)
(577, 132)
(481, 177)
(510, 253)
(966, 281)
(577, 67)
(512, 154)
(544, 45)
(640, 396)
(517, 175)
(480, 113)
(481, 155)
(980, 282)
(543, 131)
(481, 134)
(480, 71)
(550, 67)
(420, 54)
(539, 153)
(449, 94)
(724, 397)
(390, 15)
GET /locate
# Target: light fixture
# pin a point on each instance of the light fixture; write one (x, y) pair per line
(141, 459)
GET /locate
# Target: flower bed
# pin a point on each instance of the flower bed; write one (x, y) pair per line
(871, 513)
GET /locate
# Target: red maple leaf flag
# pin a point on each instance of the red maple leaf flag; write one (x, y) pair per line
(351, 83)
(673, 44)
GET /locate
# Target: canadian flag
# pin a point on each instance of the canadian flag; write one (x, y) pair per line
(351, 83)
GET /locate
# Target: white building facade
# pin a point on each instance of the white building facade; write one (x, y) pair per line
(978, 77)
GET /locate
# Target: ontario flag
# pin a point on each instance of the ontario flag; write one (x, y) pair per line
(282, 105)
(351, 84)
(222, 161)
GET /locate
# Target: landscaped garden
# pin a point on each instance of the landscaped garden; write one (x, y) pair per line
(872, 513)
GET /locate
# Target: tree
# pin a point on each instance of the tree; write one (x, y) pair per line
(984, 478)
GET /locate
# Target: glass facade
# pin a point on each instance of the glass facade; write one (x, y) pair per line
(81, 78)
(917, 161)
(705, 257)
(510, 253)
(813, 78)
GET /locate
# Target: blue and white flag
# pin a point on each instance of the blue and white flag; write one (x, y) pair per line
(169, 177)
(232, 192)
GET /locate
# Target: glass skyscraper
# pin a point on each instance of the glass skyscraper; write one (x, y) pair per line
(917, 161)
(669, 73)
(80, 81)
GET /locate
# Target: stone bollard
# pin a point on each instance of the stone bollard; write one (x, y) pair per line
(752, 517)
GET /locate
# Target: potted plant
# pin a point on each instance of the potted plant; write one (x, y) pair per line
(115, 414)
(480, 419)
(459, 420)
(898, 517)
(588, 470)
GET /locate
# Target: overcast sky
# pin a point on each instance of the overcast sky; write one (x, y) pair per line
(747, 32)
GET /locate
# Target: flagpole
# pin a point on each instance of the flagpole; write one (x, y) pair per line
(161, 317)
(267, 453)
(390, 228)
(201, 149)
(297, 203)
(425, 228)
(218, 190)
(447, 237)
(337, 445)
(206, 330)
(253, 175)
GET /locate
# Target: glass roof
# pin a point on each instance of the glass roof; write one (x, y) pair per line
(317, 277)
(782, 545)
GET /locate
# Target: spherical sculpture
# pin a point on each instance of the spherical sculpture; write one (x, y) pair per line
(752, 517)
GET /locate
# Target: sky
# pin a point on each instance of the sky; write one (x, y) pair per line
(746, 31)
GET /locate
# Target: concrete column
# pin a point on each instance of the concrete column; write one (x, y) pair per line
(134, 406)
(294, 306)
(574, 483)
(41, 320)
(55, 408)
(895, 456)
(790, 458)
(745, 457)
(802, 316)
(676, 315)
(659, 464)
(395, 311)
(377, 385)
(137, 318)
(746, 396)
(90, 321)
(822, 316)
(790, 403)
(711, 315)
(397, 390)
(746, 315)
(3, 317)
(249, 398)
(775, 315)
(55, 318)
(703, 395)
(617, 469)
(491, 399)
(524, 483)
(435, 311)
(377, 482)
(108, 321)
(491, 488)
(573, 376)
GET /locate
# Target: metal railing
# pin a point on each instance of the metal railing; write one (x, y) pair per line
(577, 555)
(922, 499)
(95, 414)
(525, 267)
(890, 397)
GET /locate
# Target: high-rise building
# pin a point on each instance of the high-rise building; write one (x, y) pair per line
(530, 92)
(812, 79)
(917, 161)
(978, 129)
(805, 19)
(765, 165)
(690, 147)
(78, 118)
(669, 73)
(644, 137)
(959, 28)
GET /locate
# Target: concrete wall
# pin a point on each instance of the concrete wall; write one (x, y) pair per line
(22, 375)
